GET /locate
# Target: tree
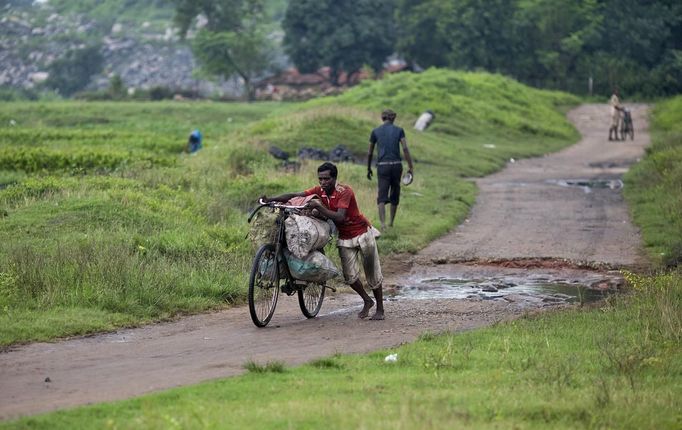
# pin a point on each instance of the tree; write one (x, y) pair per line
(116, 87)
(637, 50)
(343, 35)
(481, 34)
(419, 40)
(233, 40)
(72, 72)
(554, 35)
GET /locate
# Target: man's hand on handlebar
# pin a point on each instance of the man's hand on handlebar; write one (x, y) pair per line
(313, 204)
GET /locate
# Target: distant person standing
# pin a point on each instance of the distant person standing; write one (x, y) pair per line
(389, 138)
(194, 142)
(614, 102)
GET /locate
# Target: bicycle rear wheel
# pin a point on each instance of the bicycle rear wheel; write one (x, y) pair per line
(310, 298)
(263, 286)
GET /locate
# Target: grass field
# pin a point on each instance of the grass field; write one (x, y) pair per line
(615, 365)
(106, 224)
(654, 186)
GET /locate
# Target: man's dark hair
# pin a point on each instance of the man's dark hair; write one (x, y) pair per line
(388, 114)
(328, 166)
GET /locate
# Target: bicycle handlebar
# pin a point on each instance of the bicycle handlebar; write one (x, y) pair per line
(262, 204)
(280, 205)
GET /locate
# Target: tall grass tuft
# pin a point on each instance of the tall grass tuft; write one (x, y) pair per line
(270, 367)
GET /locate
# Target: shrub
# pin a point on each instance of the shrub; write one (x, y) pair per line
(73, 71)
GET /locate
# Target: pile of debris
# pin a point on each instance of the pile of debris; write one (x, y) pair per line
(339, 154)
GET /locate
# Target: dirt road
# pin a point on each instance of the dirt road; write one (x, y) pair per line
(547, 211)
(566, 205)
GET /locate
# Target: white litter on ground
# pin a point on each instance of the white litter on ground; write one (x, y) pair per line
(391, 358)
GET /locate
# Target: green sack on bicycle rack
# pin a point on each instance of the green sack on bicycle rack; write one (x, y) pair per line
(263, 228)
(314, 267)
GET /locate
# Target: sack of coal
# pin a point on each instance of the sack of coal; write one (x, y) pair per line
(314, 267)
(305, 234)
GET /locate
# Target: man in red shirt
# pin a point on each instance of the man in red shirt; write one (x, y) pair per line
(356, 241)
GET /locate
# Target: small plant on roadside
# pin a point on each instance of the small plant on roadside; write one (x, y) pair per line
(269, 367)
(558, 371)
(626, 361)
(442, 358)
(8, 288)
(603, 391)
(326, 363)
(427, 336)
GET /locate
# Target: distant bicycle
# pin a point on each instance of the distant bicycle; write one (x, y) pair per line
(626, 126)
(270, 274)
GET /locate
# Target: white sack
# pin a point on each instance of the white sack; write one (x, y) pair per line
(305, 234)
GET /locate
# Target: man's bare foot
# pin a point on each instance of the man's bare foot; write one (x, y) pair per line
(365, 309)
(379, 315)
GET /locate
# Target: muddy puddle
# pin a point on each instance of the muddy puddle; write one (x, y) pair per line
(526, 288)
(587, 185)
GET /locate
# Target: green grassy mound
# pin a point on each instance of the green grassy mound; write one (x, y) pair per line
(479, 106)
(467, 103)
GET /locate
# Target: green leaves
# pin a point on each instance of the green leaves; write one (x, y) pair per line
(232, 41)
(227, 53)
(72, 72)
(342, 35)
(549, 43)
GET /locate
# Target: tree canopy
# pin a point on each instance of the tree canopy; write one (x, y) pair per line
(558, 44)
(343, 35)
(233, 39)
(73, 71)
(551, 43)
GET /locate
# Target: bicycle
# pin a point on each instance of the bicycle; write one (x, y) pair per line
(626, 126)
(270, 274)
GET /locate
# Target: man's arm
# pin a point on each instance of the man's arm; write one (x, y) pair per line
(336, 216)
(282, 197)
(408, 157)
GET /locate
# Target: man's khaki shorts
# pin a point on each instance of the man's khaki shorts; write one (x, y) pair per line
(361, 249)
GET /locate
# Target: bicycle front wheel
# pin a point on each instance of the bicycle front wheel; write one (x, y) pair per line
(310, 299)
(263, 286)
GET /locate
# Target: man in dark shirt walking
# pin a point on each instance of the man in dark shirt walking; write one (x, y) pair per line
(389, 138)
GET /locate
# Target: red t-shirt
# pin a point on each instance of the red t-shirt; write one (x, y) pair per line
(343, 197)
